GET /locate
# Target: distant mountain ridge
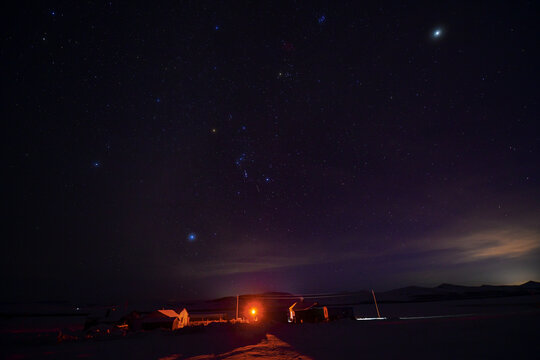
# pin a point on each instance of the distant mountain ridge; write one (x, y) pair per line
(531, 285)
(408, 294)
(447, 291)
(441, 292)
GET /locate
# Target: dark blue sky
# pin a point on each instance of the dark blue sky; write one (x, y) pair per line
(208, 148)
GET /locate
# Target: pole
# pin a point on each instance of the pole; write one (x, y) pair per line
(376, 306)
(236, 307)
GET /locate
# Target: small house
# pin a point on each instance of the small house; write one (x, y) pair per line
(300, 313)
(165, 319)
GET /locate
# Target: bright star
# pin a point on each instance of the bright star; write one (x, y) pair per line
(96, 164)
(192, 236)
(437, 33)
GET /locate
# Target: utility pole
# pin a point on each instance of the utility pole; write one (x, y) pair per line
(236, 307)
(376, 306)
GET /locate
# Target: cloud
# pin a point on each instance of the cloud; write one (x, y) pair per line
(264, 255)
(459, 244)
(255, 256)
(485, 244)
(239, 266)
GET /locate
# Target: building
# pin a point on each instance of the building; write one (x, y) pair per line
(300, 313)
(165, 319)
(279, 315)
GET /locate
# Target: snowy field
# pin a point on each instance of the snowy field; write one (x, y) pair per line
(500, 328)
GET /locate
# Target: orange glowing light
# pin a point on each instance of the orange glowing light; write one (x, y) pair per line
(253, 311)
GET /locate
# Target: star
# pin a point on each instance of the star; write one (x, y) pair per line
(240, 159)
(96, 164)
(437, 33)
(321, 19)
(192, 237)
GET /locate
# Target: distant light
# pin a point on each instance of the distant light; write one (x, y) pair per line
(267, 179)
(253, 311)
(192, 237)
(96, 164)
(217, 27)
(53, 13)
(158, 100)
(321, 19)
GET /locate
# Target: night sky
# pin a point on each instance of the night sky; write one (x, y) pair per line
(207, 148)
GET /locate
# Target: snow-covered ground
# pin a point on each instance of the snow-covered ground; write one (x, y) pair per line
(488, 328)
